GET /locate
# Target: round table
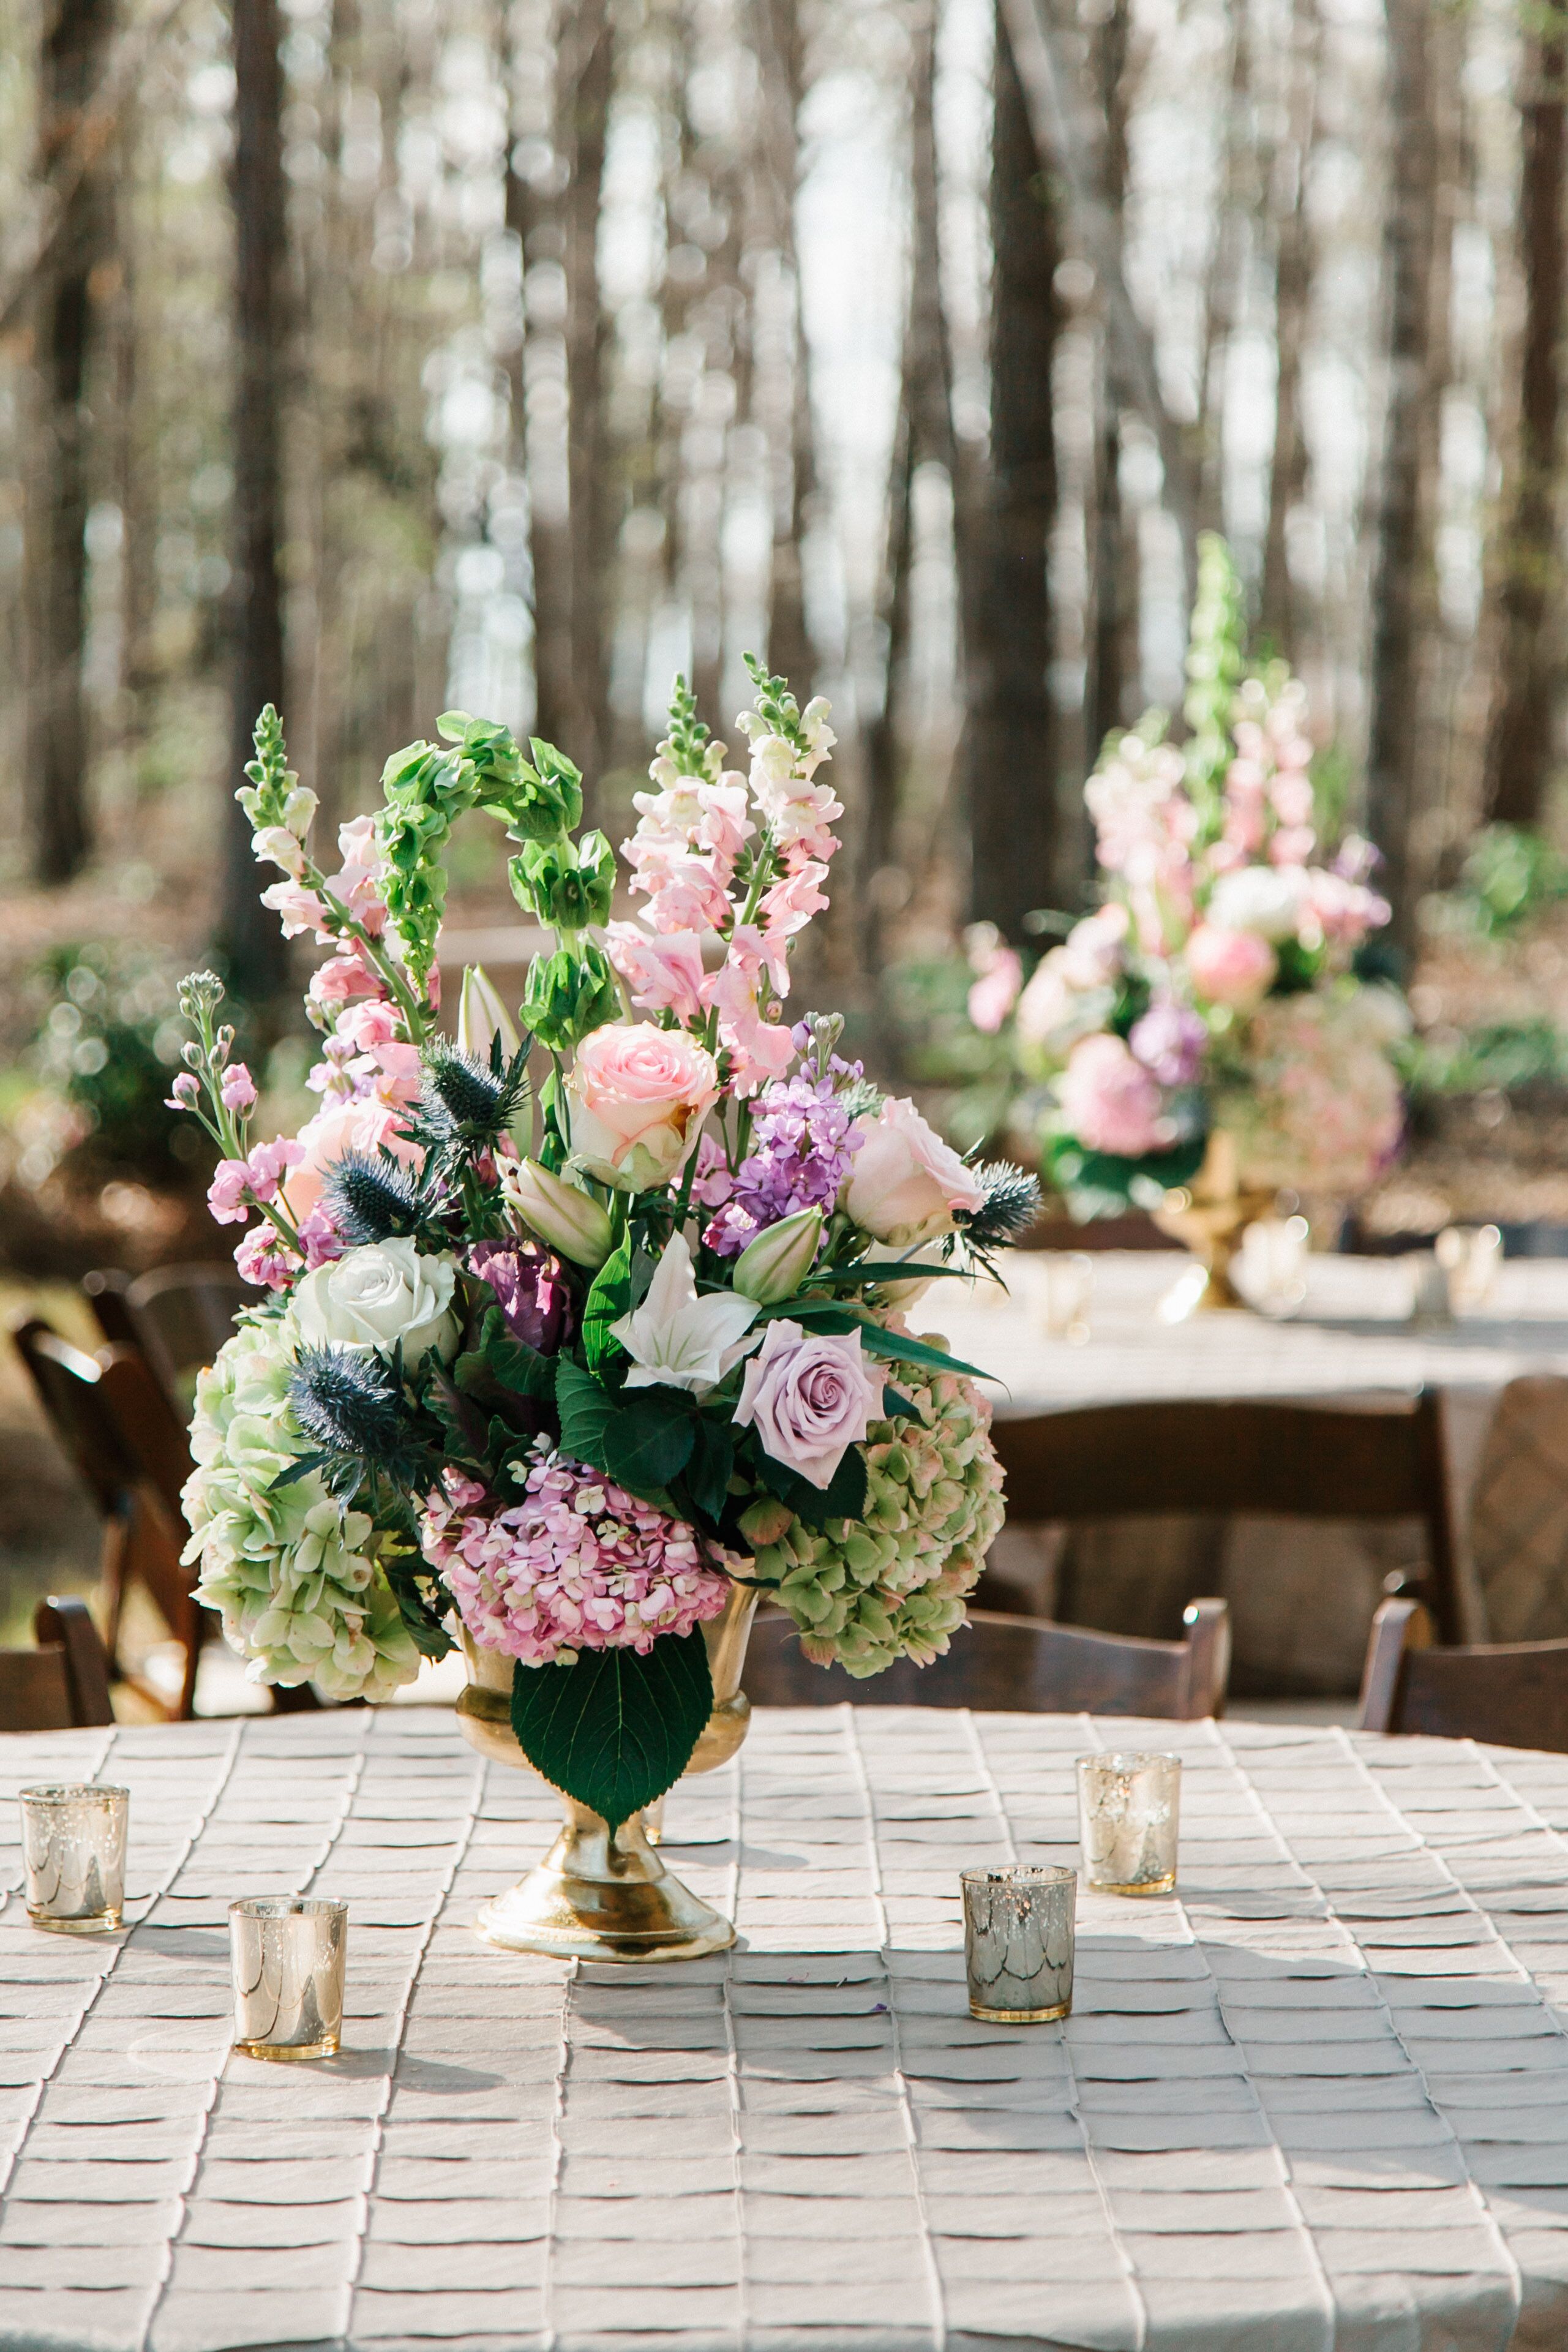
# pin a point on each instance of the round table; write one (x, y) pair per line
(1319, 2098)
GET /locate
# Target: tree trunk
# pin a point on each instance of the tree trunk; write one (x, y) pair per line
(1222, 293)
(593, 519)
(1520, 744)
(1403, 562)
(1114, 666)
(778, 32)
(73, 50)
(1292, 302)
(1010, 746)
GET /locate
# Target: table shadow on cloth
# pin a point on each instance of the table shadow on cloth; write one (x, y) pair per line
(1319, 2098)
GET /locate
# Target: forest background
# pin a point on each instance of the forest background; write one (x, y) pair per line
(377, 356)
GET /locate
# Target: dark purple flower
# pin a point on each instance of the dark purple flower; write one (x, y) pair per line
(530, 1291)
(1169, 1042)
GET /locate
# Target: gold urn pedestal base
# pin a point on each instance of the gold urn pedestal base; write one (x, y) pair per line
(1210, 1216)
(595, 1897)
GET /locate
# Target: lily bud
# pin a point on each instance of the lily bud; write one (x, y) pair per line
(482, 1017)
(568, 1220)
(777, 1263)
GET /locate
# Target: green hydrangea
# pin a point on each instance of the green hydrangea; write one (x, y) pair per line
(292, 1574)
(892, 1585)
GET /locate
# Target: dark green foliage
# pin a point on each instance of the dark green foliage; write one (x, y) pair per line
(507, 1362)
(615, 1730)
(1101, 1184)
(608, 1301)
(844, 1497)
(106, 1044)
(375, 1200)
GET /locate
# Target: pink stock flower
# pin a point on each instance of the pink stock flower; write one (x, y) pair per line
(810, 1397)
(1233, 968)
(580, 1565)
(185, 1092)
(269, 1162)
(1109, 1101)
(237, 1087)
(343, 976)
(320, 1239)
(994, 995)
(262, 1258)
(229, 1194)
(664, 974)
(298, 910)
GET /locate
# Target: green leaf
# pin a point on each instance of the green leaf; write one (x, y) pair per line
(609, 1299)
(844, 1497)
(615, 1730)
(511, 1362)
(901, 1351)
(586, 1411)
(896, 1406)
(712, 1459)
(815, 1315)
(648, 1439)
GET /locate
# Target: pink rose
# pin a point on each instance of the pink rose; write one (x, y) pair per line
(906, 1184)
(1232, 968)
(638, 1096)
(663, 974)
(363, 1125)
(809, 1398)
(1109, 1101)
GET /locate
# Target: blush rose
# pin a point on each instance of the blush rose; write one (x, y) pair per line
(638, 1096)
(809, 1397)
(906, 1182)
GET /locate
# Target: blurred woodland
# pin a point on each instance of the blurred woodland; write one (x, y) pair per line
(374, 356)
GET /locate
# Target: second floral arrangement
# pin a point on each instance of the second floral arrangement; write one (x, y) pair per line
(556, 1369)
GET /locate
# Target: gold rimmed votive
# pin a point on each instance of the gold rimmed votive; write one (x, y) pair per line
(288, 1953)
(1129, 1820)
(73, 1849)
(1019, 1935)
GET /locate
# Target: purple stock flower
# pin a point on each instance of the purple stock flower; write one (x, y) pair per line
(1169, 1042)
(529, 1289)
(803, 1140)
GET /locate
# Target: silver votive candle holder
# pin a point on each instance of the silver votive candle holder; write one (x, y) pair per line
(1129, 1821)
(1019, 1935)
(73, 1851)
(288, 1953)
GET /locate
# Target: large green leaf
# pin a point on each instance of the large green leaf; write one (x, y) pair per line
(585, 1411)
(608, 1301)
(615, 1730)
(844, 1497)
(898, 1350)
(510, 1362)
(648, 1438)
(712, 1459)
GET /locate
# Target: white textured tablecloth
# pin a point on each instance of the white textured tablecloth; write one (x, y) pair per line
(1320, 2100)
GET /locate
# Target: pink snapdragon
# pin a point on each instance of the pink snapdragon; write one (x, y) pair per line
(580, 1564)
(298, 910)
(344, 976)
(663, 974)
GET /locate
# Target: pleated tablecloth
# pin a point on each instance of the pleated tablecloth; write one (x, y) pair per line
(1318, 2099)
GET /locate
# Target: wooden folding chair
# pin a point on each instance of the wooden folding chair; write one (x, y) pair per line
(1018, 1663)
(179, 1316)
(1250, 1458)
(1509, 1693)
(63, 1685)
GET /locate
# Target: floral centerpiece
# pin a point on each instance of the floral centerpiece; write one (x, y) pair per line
(1225, 988)
(573, 1329)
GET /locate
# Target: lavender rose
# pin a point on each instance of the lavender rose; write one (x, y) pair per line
(809, 1397)
(529, 1290)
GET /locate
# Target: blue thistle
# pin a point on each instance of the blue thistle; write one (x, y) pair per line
(346, 1404)
(375, 1200)
(1011, 1206)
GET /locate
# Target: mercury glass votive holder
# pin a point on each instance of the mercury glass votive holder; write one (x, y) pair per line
(288, 1953)
(1018, 1932)
(1129, 1821)
(73, 1849)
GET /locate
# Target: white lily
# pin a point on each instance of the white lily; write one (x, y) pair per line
(678, 1339)
(481, 1017)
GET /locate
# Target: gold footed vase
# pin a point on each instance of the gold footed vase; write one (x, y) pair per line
(594, 1897)
(1209, 1217)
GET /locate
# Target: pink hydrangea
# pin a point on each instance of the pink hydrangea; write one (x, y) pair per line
(1109, 1102)
(580, 1565)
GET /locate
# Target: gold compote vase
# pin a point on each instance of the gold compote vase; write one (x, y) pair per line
(594, 1897)
(1209, 1217)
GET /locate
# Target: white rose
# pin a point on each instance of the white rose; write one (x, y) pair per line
(1267, 900)
(904, 1182)
(374, 1296)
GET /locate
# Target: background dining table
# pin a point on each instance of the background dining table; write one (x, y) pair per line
(1317, 2098)
(1301, 1598)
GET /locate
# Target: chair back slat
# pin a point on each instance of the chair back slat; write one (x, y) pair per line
(35, 1691)
(65, 1381)
(181, 1315)
(1507, 1694)
(1021, 1664)
(1205, 1456)
(63, 1621)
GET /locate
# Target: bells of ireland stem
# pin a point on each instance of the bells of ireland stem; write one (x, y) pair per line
(567, 1218)
(482, 1017)
(569, 995)
(568, 885)
(778, 1261)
